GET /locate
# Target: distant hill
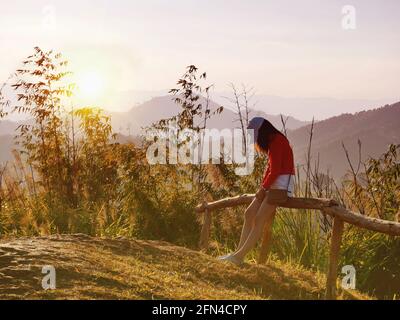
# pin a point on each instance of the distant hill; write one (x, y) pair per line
(303, 108)
(319, 108)
(164, 107)
(6, 146)
(7, 127)
(129, 124)
(375, 128)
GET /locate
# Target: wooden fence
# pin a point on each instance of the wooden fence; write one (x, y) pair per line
(330, 207)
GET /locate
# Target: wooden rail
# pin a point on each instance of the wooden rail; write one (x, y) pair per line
(327, 206)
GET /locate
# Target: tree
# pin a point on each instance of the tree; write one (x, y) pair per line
(40, 88)
(195, 112)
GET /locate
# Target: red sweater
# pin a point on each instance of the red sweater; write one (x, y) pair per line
(280, 160)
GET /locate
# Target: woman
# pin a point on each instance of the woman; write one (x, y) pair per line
(278, 175)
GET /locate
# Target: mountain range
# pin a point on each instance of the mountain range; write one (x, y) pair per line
(164, 107)
(302, 108)
(376, 129)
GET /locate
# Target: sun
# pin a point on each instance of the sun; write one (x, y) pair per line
(91, 86)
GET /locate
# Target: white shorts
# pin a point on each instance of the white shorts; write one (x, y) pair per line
(283, 182)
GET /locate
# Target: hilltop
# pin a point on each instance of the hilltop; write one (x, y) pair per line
(100, 268)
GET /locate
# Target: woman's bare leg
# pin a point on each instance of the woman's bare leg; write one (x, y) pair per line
(249, 217)
(264, 213)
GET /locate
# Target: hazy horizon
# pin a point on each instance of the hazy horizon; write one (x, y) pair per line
(270, 105)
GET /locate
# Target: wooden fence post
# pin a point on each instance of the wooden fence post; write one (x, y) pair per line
(205, 230)
(266, 243)
(331, 278)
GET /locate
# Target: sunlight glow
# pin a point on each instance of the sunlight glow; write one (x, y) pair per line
(91, 86)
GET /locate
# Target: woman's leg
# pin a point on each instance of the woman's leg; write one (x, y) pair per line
(264, 213)
(249, 218)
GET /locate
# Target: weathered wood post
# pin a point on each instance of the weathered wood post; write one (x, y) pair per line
(205, 230)
(331, 279)
(266, 243)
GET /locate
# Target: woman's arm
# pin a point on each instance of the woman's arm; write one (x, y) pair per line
(275, 162)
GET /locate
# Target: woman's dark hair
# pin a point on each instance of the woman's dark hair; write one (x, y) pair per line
(265, 134)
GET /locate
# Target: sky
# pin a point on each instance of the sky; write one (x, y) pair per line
(280, 47)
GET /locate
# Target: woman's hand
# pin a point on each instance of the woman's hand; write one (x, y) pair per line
(260, 195)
